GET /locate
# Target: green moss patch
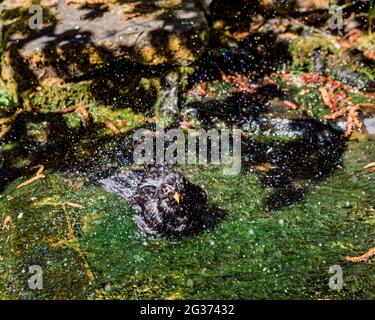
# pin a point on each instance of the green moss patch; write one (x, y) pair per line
(253, 253)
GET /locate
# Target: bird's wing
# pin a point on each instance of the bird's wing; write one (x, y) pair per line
(124, 185)
(141, 223)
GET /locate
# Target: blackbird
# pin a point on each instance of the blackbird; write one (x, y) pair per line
(168, 204)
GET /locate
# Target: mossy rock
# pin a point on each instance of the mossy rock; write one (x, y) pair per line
(324, 55)
(57, 98)
(96, 251)
(302, 50)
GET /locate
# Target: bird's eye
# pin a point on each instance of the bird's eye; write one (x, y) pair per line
(167, 190)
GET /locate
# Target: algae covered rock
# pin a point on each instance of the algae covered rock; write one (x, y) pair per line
(325, 55)
(88, 247)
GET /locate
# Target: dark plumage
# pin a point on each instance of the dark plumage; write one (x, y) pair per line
(169, 205)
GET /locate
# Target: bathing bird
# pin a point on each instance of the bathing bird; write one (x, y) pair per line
(168, 205)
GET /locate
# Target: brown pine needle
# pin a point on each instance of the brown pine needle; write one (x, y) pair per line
(132, 15)
(8, 122)
(112, 127)
(290, 104)
(38, 175)
(81, 110)
(362, 258)
(75, 205)
(31, 180)
(335, 115)
(40, 168)
(59, 111)
(4, 132)
(324, 93)
(5, 121)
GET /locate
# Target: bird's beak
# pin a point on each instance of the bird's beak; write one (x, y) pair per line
(177, 197)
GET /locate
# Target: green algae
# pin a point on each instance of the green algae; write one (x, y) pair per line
(253, 253)
(57, 98)
(7, 103)
(96, 251)
(40, 239)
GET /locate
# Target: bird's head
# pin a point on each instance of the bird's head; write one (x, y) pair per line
(173, 188)
(179, 192)
(172, 193)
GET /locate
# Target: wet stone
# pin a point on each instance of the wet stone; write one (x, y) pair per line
(295, 5)
(84, 35)
(369, 125)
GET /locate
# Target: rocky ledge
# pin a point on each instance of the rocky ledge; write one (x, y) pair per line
(80, 36)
